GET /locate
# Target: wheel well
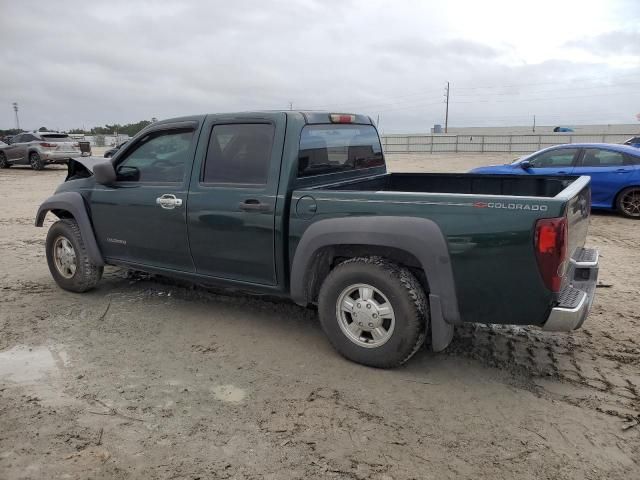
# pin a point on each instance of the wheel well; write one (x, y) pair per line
(327, 258)
(62, 213)
(615, 199)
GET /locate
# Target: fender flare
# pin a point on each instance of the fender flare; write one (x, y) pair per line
(420, 237)
(73, 203)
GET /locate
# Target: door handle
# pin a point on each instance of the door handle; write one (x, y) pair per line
(622, 170)
(169, 201)
(253, 205)
(562, 172)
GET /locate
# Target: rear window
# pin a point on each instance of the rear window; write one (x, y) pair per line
(337, 148)
(57, 137)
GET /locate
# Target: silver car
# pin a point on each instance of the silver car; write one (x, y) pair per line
(38, 149)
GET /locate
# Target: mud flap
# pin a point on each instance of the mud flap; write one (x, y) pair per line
(441, 331)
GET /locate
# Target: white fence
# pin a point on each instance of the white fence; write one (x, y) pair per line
(489, 143)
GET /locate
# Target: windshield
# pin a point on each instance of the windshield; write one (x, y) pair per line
(335, 148)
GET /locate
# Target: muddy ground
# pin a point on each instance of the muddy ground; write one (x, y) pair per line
(141, 378)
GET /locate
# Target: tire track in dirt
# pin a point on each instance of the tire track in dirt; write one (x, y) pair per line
(609, 369)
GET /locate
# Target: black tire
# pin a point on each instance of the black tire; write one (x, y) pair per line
(4, 163)
(86, 274)
(36, 161)
(628, 202)
(403, 291)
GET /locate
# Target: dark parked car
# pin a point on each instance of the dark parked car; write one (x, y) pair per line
(112, 151)
(38, 149)
(300, 205)
(614, 171)
(633, 142)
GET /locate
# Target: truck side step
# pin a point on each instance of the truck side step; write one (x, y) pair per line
(570, 297)
(585, 257)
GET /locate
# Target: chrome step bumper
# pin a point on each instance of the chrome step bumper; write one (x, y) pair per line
(576, 297)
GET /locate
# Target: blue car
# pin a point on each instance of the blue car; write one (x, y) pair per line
(614, 171)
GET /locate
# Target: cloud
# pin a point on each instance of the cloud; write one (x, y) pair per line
(610, 43)
(80, 63)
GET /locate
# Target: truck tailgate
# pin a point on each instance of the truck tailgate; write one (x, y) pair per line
(577, 212)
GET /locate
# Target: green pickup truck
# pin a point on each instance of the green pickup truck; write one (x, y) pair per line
(300, 205)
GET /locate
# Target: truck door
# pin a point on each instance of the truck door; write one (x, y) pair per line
(232, 197)
(142, 217)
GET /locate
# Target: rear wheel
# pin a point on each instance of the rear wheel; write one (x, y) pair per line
(629, 202)
(68, 260)
(36, 161)
(374, 312)
(4, 163)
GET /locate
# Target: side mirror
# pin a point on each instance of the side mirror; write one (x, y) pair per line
(525, 165)
(104, 173)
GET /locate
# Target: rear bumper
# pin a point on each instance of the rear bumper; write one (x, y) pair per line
(576, 297)
(55, 157)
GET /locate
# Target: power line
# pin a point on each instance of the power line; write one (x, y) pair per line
(536, 99)
(15, 109)
(446, 115)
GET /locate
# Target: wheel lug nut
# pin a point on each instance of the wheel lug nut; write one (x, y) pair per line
(370, 324)
(368, 305)
(375, 315)
(360, 323)
(358, 305)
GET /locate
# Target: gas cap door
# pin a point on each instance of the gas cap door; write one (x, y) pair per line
(306, 207)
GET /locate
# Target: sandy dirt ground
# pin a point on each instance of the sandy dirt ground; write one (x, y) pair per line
(143, 378)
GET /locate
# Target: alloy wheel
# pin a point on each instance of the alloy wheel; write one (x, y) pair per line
(630, 203)
(365, 315)
(64, 256)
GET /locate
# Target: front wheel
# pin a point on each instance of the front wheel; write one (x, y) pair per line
(35, 160)
(629, 202)
(68, 260)
(4, 163)
(374, 312)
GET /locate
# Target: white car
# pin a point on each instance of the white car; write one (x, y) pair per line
(39, 149)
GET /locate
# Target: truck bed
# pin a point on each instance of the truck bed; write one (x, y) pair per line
(488, 223)
(529, 186)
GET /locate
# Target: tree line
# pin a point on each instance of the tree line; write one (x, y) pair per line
(127, 129)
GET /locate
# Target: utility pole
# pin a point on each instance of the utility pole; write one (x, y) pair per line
(446, 114)
(378, 121)
(534, 124)
(290, 105)
(15, 109)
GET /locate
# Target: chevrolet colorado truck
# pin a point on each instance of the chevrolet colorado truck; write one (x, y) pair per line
(300, 205)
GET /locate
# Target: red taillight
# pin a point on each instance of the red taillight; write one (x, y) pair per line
(342, 118)
(551, 250)
(48, 145)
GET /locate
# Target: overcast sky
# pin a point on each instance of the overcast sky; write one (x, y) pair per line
(85, 63)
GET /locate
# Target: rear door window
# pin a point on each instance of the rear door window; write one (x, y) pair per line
(239, 153)
(595, 157)
(336, 148)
